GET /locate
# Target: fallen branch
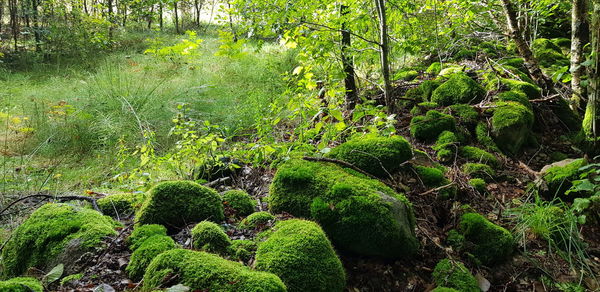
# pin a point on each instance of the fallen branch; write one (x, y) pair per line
(58, 198)
(218, 182)
(437, 189)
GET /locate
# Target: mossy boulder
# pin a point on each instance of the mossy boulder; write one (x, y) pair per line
(548, 53)
(431, 125)
(55, 234)
(453, 274)
(209, 236)
(434, 177)
(482, 134)
(428, 87)
(474, 154)
(511, 126)
(478, 170)
(143, 232)
(450, 71)
(359, 214)
(241, 250)
(379, 156)
(478, 184)
(407, 75)
(423, 107)
(434, 68)
(146, 252)
(257, 220)
(21, 284)
(299, 252)
(516, 96)
(120, 205)
(517, 62)
(464, 113)
(239, 201)
(177, 203)
(532, 91)
(460, 88)
(446, 145)
(560, 176)
(487, 242)
(207, 272)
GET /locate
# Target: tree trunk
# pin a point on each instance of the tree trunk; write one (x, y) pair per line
(198, 7)
(160, 15)
(590, 121)
(517, 36)
(578, 16)
(349, 78)
(110, 19)
(36, 25)
(150, 17)
(14, 21)
(384, 55)
(1, 14)
(235, 39)
(176, 17)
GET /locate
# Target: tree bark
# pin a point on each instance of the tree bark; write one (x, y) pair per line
(384, 55)
(160, 15)
(349, 78)
(176, 17)
(578, 16)
(14, 21)
(590, 121)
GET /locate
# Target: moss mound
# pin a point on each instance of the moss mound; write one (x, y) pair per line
(464, 113)
(431, 125)
(454, 274)
(256, 220)
(532, 91)
(146, 252)
(53, 234)
(240, 201)
(207, 272)
(241, 250)
(559, 179)
(431, 176)
(446, 146)
(434, 68)
(516, 96)
(379, 156)
(143, 232)
(548, 53)
(119, 205)
(460, 88)
(176, 203)
(428, 87)
(21, 284)
(301, 255)
(359, 214)
(488, 242)
(478, 170)
(210, 237)
(482, 133)
(474, 154)
(511, 126)
(407, 75)
(478, 184)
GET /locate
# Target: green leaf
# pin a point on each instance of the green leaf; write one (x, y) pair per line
(179, 288)
(54, 274)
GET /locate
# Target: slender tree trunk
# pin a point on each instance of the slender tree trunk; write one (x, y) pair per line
(198, 7)
(176, 17)
(384, 55)
(160, 15)
(591, 125)
(14, 21)
(1, 14)
(150, 17)
(349, 79)
(110, 19)
(578, 16)
(231, 23)
(517, 36)
(36, 25)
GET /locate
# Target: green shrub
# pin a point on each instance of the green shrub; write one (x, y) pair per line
(431, 125)
(53, 234)
(511, 126)
(177, 203)
(143, 232)
(478, 170)
(209, 236)
(464, 113)
(359, 214)
(301, 255)
(483, 137)
(454, 274)
(559, 179)
(474, 154)
(21, 284)
(530, 90)
(146, 252)
(204, 271)
(240, 201)
(446, 146)
(256, 220)
(241, 250)
(460, 88)
(379, 156)
(488, 242)
(478, 184)
(119, 204)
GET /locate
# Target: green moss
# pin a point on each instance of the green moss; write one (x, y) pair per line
(548, 53)
(511, 125)
(359, 214)
(209, 236)
(518, 63)
(119, 205)
(301, 255)
(483, 137)
(446, 146)
(532, 91)
(454, 274)
(465, 54)
(70, 278)
(444, 289)
(474, 154)
(488, 242)
(407, 75)
(143, 232)
(241, 250)
(240, 201)
(416, 94)
(478, 184)
(559, 178)
(431, 176)
(379, 156)
(460, 88)
(434, 68)
(21, 284)
(478, 170)
(423, 107)
(177, 203)
(431, 125)
(207, 272)
(41, 241)
(464, 113)
(146, 252)
(449, 71)
(428, 86)
(257, 220)
(516, 96)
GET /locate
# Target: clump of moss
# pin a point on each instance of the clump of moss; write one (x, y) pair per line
(359, 214)
(241, 250)
(449, 71)
(240, 201)
(511, 126)
(478, 184)
(146, 252)
(454, 274)
(118, 205)
(256, 220)
(532, 91)
(379, 156)
(298, 250)
(143, 232)
(434, 68)
(548, 54)
(479, 155)
(446, 146)
(204, 271)
(516, 96)
(478, 170)
(407, 75)
(71, 278)
(176, 203)
(559, 178)
(53, 234)
(460, 88)
(518, 63)
(210, 237)
(431, 125)
(464, 113)
(488, 242)
(431, 176)
(483, 137)
(415, 94)
(21, 284)
(422, 107)
(428, 87)
(444, 289)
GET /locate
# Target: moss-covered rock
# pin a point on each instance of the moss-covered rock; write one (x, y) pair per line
(488, 242)
(54, 234)
(434, 68)
(460, 88)
(301, 255)
(407, 75)
(532, 91)
(548, 54)
(21, 284)
(454, 274)
(241, 250)
(431, 125)
(516, 96)
(464, 113)
(423, 107)
(478, 170)
(446, 145)
(450, 70)
(257, 220)
(478, 184)
(379, 156)
(143, 232)
(511, 126)
(146, 252)
(431, 176)
(177, 203)
(239, 201)
(359, 214)
(428, 87)
(209, 236)
(203, 271)
(559, 178)
(474, 154)
(119, 205)
(482, 134)
(517, 62)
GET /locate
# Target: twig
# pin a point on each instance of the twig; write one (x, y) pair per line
(437, 189)
(59, 198)
(217, 182)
